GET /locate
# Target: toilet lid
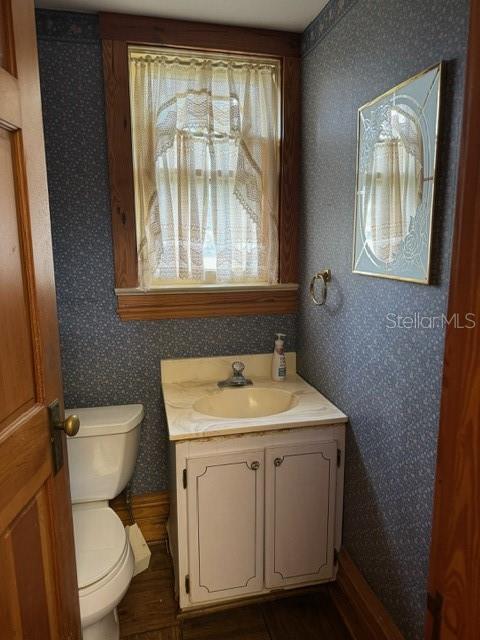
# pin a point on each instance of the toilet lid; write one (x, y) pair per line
(100, 540)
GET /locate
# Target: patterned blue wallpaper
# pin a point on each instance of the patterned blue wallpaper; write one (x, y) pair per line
(386, 380)
(105, 360)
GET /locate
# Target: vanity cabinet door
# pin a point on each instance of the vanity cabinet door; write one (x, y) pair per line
(300, 489)
(225, 495)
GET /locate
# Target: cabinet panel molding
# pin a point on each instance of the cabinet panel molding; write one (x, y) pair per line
(225, 496)
(300, 491)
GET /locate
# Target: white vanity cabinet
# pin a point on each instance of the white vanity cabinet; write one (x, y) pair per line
(300, 493)
(255, 512)
(225, 498)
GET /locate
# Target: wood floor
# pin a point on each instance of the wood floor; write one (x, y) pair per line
(149, 612)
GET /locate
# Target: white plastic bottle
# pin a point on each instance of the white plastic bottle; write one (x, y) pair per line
(279, 363)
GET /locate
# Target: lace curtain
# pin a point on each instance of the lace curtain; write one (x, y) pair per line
(206, 164)
(395, 184)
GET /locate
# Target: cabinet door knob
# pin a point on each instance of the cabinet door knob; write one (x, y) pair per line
(255, 465)
(278, 461)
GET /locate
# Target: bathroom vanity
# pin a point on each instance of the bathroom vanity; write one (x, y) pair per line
(256, 485)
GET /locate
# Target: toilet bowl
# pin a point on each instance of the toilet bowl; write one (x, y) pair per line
(104, 568)
(101, 461)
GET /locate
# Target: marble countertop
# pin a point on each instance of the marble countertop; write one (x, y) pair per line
(180, 394)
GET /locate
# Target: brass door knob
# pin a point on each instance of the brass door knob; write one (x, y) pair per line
(70, 425)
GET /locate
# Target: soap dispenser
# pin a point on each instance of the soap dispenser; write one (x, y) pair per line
(279, 363)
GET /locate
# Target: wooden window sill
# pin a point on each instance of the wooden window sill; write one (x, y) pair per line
(207, 301)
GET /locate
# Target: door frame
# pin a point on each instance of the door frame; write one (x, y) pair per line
(454, 576)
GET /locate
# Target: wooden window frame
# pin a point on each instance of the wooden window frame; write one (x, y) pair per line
(118, 32)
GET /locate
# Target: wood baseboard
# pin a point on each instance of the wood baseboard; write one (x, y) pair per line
(362, 612)
(150, 511)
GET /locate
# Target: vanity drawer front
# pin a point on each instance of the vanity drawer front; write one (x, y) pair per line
(300, 513)
(225, 495)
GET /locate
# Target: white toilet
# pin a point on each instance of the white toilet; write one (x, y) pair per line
(101, 460)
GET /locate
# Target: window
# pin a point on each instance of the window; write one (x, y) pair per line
(205, 134)
(203, 142)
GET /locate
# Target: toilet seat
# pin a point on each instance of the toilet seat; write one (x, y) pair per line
(100, 540)
(104, 559)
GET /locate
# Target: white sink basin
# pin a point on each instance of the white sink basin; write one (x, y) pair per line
(246, 402)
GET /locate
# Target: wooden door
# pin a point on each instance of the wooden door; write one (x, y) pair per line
(454, 580)
(300, 489)
(38, 587)
(225, 525)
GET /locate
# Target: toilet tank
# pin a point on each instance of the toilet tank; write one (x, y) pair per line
(101, 457)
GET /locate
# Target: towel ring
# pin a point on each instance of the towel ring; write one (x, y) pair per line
(325, 276)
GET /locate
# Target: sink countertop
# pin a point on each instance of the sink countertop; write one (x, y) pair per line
(180, 394)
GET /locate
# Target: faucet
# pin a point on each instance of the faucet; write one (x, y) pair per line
(237, 379)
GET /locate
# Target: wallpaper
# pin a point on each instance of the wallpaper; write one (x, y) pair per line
(107, 361)
(385, 378)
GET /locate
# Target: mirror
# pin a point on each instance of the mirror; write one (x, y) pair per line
(396, 151)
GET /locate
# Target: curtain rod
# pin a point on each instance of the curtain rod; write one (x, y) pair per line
(148, 54)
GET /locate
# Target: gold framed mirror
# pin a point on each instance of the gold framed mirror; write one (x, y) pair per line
(396, 162)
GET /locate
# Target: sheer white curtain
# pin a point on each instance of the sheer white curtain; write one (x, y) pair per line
(206, 164)
(396, 186)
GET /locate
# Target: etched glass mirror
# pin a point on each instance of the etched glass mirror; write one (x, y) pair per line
(396, 152)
